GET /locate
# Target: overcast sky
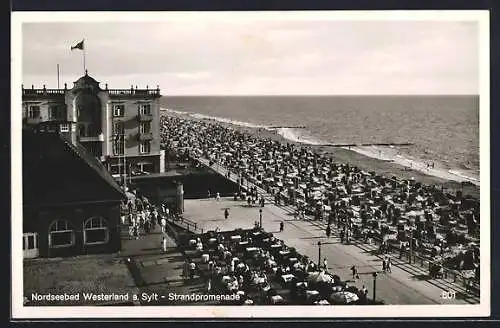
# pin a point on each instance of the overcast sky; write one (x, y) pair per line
(260, 57)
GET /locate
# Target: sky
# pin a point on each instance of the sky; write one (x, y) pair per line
(259, 57)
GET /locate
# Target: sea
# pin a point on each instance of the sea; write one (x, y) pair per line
(443, 130)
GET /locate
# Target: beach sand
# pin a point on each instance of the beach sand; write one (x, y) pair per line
(363, 162)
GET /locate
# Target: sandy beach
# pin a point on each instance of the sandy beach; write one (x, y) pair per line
(365, 163)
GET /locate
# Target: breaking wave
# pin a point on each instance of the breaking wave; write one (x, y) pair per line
(295, 135)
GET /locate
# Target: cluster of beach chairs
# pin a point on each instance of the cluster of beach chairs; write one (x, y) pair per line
(405, 214)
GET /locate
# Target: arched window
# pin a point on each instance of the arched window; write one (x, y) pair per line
(61, 234)
(95, 231)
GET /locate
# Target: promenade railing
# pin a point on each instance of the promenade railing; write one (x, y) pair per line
(184, 223)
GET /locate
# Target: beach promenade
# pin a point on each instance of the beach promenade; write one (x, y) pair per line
(399, 287)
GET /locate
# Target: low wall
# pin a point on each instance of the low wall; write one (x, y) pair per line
(196, 185)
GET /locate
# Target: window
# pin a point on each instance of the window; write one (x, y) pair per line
(145, 109)
(65, 127)
(118, 128)
(145, 127)
(61, 234)
(82, 128)
(118, 138)
(34, 111)
(95, 231)
(145, 167)
(55, 112)
(116, 168)
(31, 242)
(118, 110)
(145, 147)
(118, 147)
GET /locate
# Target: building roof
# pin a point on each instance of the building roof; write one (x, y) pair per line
(86, 82)
(56, 172)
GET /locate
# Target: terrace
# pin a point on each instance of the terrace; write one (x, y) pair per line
(263, 270)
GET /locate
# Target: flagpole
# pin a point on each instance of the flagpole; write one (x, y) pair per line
(57, 76)
(84, 66)
(124, 161)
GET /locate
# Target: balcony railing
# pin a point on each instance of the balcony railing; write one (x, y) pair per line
(44, 92)
(145, 136)
(145, 117)
(134, 92)
(99, 137)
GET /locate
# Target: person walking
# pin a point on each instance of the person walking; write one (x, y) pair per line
(192, 268)
(209, 285)
(136, 231)
(389, 265)
(282, 226)
(131, 228)
(164, 244)
(364, 290)
(217, 197)
(325, 264)
(185, 270)
(226, 213)
(163, 224)
(384, 265)
(354, 272)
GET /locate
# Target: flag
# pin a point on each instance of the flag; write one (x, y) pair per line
(79, 45)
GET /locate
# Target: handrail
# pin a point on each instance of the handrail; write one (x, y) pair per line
(180, 220)
(133, 92)
(37, 92)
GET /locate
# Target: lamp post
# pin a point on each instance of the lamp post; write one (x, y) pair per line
(374, 274)
(319, 254)
(411, 244)
(239, 182)
(260, 217)
(124, 139)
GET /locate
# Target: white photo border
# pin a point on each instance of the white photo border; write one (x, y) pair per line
(19, 311)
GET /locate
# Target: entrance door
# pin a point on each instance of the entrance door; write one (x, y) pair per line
(30, 245)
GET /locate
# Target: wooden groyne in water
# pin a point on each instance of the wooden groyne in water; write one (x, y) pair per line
(286, 127)
(369, 144)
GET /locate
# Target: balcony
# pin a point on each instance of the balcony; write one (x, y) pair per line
(33, 120)
(44, 92)
(99, 137)
(139, 93)
(145, 136)
(145, 117)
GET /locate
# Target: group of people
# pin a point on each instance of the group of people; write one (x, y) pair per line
(258, 266)
(362, 204)
(143, 217)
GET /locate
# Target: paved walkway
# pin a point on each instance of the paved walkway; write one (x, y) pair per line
(405, 285)
(157, 274)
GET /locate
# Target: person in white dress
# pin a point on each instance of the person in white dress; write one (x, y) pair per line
(163, 224)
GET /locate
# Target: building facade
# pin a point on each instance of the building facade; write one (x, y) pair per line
(71, 204)
(118, 126)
